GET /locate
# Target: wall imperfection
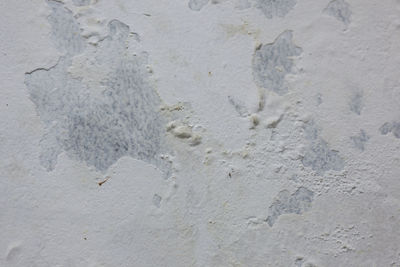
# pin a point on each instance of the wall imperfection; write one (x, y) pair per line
(360, 140)
(197, 5)
(157, 200)
(274, 8)
(239, 106)
(271, 63)
(102, 121)
(386, 128)
(286, 203)
(183, 131)
(318, 154)
(339, 9)
(81, 2)
(356, 103)
(390, 127)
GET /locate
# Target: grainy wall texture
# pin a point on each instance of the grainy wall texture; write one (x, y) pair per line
(200, 133)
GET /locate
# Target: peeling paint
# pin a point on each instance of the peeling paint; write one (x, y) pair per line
(339, 9)
(286, 203)
(390, 127)
(360, 140)
(97, 125)
(197, 5)
(356, 103)
(318, 154)
(271, 63)
(273, 8)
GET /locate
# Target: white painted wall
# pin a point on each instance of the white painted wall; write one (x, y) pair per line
(200, 133)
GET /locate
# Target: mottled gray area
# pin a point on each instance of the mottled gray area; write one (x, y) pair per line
(121, 119)
(318, 154)
(286, 203)
(386, 128)
(360, 140)
(390, 127)
(396, 129)
(157, 200)
(197, 4)
(271, 63)
(319, 99)
(65, 30)
(356, 103)
(239, 106)
(275, 8)
(340, 10)
(81, 2)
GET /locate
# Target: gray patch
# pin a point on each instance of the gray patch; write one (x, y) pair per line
(239, 106)
(318, 155)
(297, 203)
(157, 200)
(396, 129)
(275, 8)
(81, 2)
(319, 99)
(360, 140)
(65, 29)
(340, 10)
(386, 128)
(271, 63)
(121, 120)
(196, 5)
(356, 103)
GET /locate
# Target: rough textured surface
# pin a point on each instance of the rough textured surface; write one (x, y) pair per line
(199, 133)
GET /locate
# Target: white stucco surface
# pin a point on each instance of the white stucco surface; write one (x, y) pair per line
(200, 133)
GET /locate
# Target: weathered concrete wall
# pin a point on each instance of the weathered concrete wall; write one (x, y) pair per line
(200, 133)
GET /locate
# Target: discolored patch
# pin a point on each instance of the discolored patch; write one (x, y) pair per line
(286, 203)
(360, 140)
(197, 5)
(275, 8)
(318, 154)
(390, 127)
(339, 9)
(101, 121)
(271, 63)
(356, 103)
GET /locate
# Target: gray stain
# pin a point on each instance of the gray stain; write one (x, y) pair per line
(81, 2)
(65, 30)
(271, 63)
(390, 127)
(286, 203)
(356, 103)
(197, 5)
(123, 120)
(318, 154)
(340, 10)
(275, 8)
(386, 128)
(360, 140)
(239, 106)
